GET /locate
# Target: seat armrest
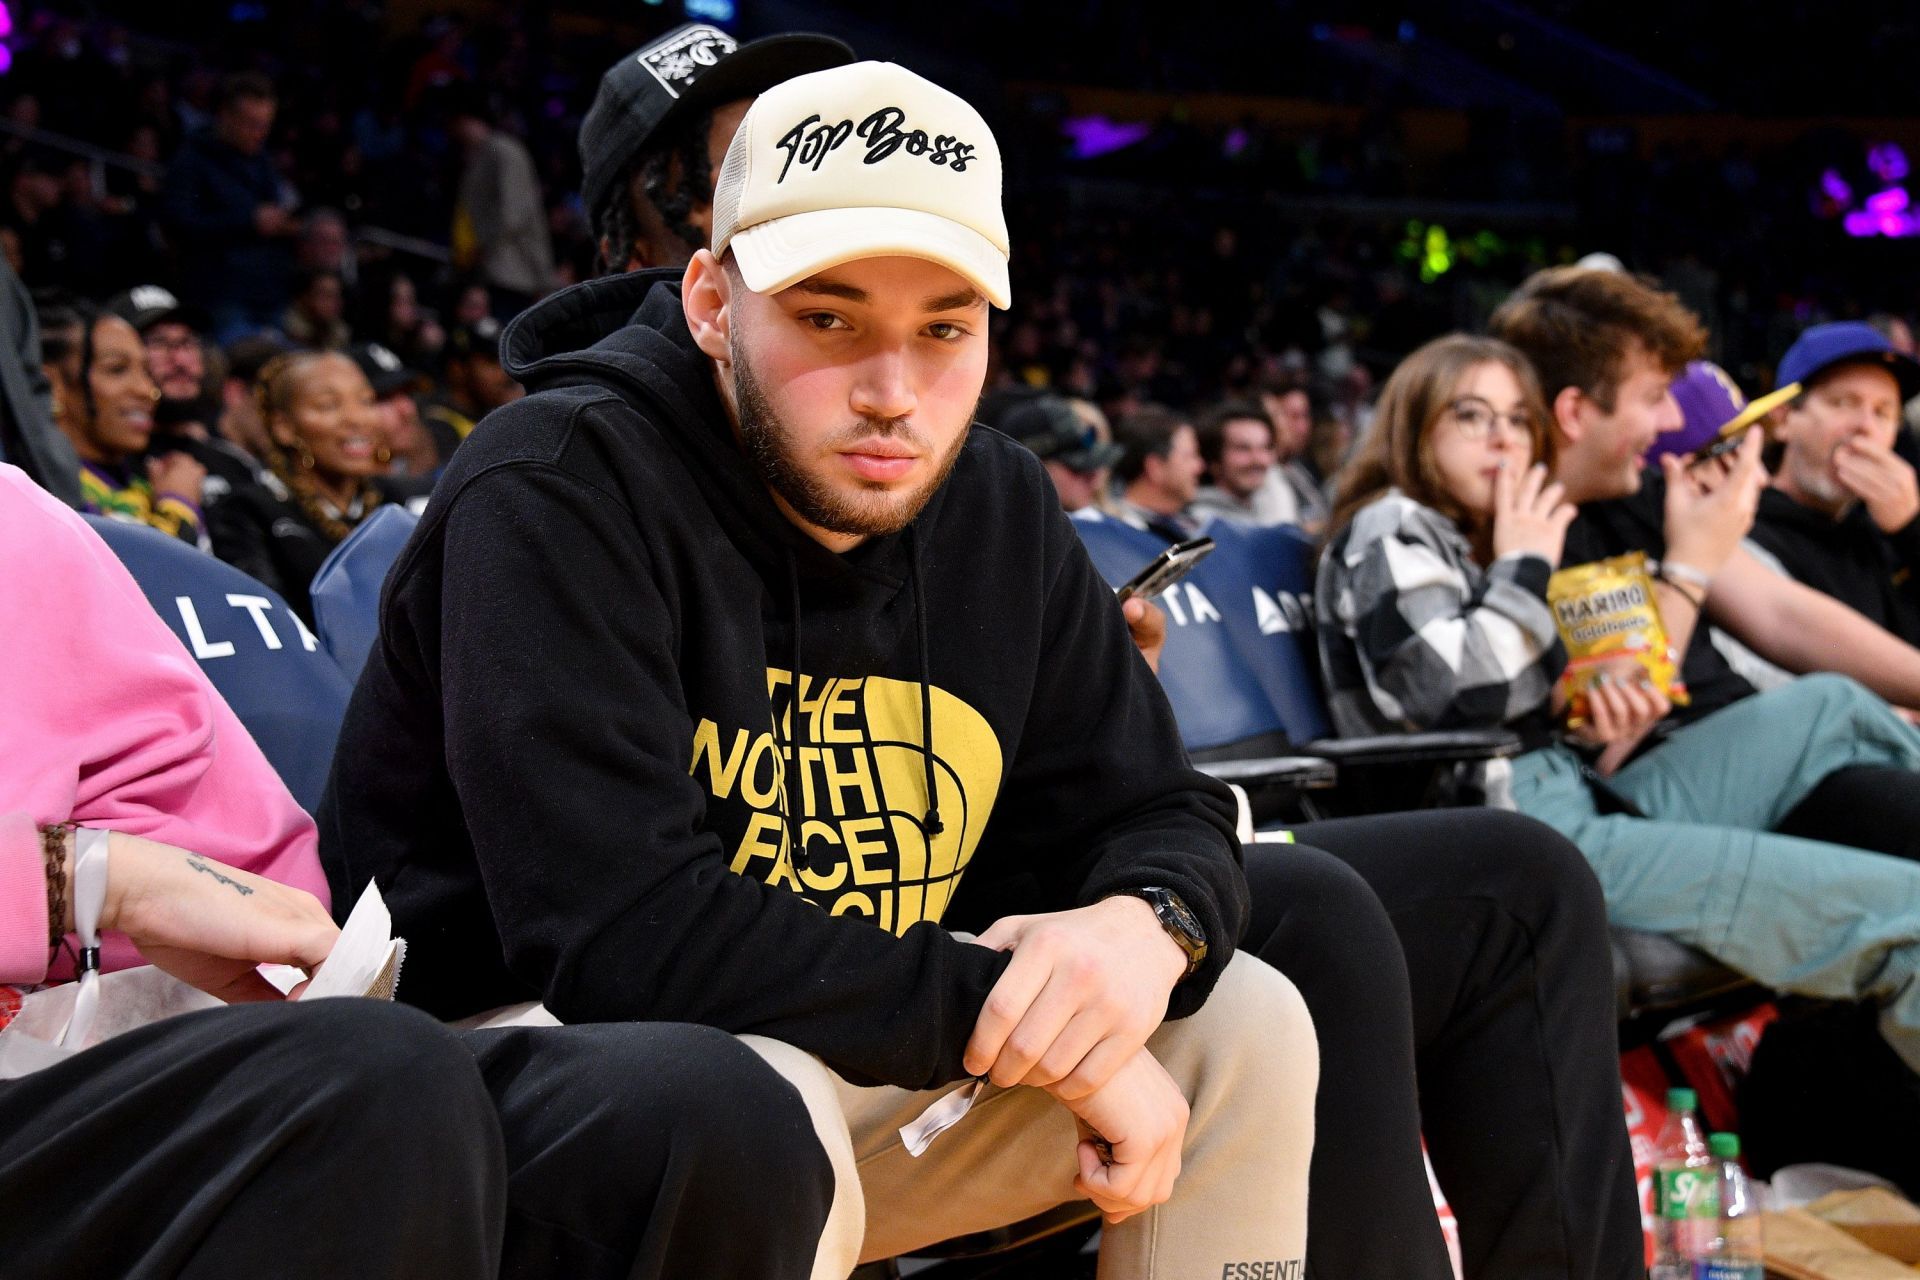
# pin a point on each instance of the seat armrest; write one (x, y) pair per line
(1308, 772)
(1656, 973)
(1443, 747)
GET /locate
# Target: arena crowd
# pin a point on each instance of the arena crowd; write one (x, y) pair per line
(752, 441)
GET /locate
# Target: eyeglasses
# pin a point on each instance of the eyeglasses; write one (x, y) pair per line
(1476, 418)
(174, 345)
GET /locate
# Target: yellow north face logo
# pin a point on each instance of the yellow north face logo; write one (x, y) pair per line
(861, 791)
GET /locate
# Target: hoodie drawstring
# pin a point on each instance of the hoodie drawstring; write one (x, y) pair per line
(930, 823)
(797, 851)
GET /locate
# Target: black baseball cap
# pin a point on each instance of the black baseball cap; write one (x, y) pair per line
(386, 372)
(691, 68)
(1047, 424)
(146, 305)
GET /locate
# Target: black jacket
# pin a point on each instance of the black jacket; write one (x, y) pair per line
(211, 195)
(258, 527)
(574, 726)
(1849, 559)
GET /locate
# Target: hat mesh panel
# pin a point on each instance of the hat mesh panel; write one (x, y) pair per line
(728, 188)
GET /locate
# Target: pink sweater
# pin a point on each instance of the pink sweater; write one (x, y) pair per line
(108, 722)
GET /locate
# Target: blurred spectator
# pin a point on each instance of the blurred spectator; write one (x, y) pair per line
(187, 413)
(1331, 444)
(659, 128)
(1070, 448)
(475, 384)
(79, 239)
(229, 216)
(33, 193)
(1237, 443)
(240, 421)
(327, 245)
(394, 384)
(1095, 419)
(499, 222)
(317, 316)
(1289, 407)
(472, 305)
(327, 451)
(103, 399)
(1159, 469)
(394, 318)
(175, 359)
(1843, 513)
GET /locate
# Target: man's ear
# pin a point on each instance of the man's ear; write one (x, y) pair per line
(1569, 410)
(1153, 469)
(706, 293)
(1775, 423)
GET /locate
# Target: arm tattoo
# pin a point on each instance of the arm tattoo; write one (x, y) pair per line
(241, 889)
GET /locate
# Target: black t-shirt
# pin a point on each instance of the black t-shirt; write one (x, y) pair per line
(1848, 559)
(1638, 523)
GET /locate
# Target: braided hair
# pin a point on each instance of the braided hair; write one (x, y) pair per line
(66, 328)
(273, 392)
(649, 177)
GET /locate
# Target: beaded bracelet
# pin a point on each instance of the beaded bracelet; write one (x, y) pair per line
(53, 848)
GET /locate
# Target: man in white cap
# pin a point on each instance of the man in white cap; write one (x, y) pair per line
(729, 659)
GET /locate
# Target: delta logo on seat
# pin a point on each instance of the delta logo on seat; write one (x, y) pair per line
(1277, 612)
(258, 610)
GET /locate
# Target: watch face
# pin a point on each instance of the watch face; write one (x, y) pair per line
(1184, 919)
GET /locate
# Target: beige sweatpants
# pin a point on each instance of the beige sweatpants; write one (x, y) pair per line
(1248, 1065)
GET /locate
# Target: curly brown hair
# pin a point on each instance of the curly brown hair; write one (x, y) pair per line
(1578, 324)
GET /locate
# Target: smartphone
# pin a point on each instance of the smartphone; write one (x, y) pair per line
(1165, 569)
(1719, 448)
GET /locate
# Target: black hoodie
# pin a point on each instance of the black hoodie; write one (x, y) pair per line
(603, 594)
(1849, 558)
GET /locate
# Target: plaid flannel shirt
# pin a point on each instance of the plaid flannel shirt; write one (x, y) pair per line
(1415, 636)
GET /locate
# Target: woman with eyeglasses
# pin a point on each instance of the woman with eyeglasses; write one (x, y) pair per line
(1432, 592)
(103, 400)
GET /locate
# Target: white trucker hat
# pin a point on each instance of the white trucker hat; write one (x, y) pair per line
(862, 161)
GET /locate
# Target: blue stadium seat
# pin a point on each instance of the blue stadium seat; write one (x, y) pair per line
(1242, 670)
(271, 670)
(346, 591)
(1241, 666)
(1240, 659)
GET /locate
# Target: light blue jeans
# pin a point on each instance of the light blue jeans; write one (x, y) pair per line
(1803, 916)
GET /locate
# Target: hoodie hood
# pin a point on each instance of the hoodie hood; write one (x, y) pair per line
(630, 333)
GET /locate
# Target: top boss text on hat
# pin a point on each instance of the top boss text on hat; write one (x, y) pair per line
(811, 141)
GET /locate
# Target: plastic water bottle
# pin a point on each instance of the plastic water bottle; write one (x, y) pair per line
(1733, 1251)
(1685, 1188)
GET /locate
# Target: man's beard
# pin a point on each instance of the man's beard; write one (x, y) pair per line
(1815, 481)
(872, 511)
(168, 412)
